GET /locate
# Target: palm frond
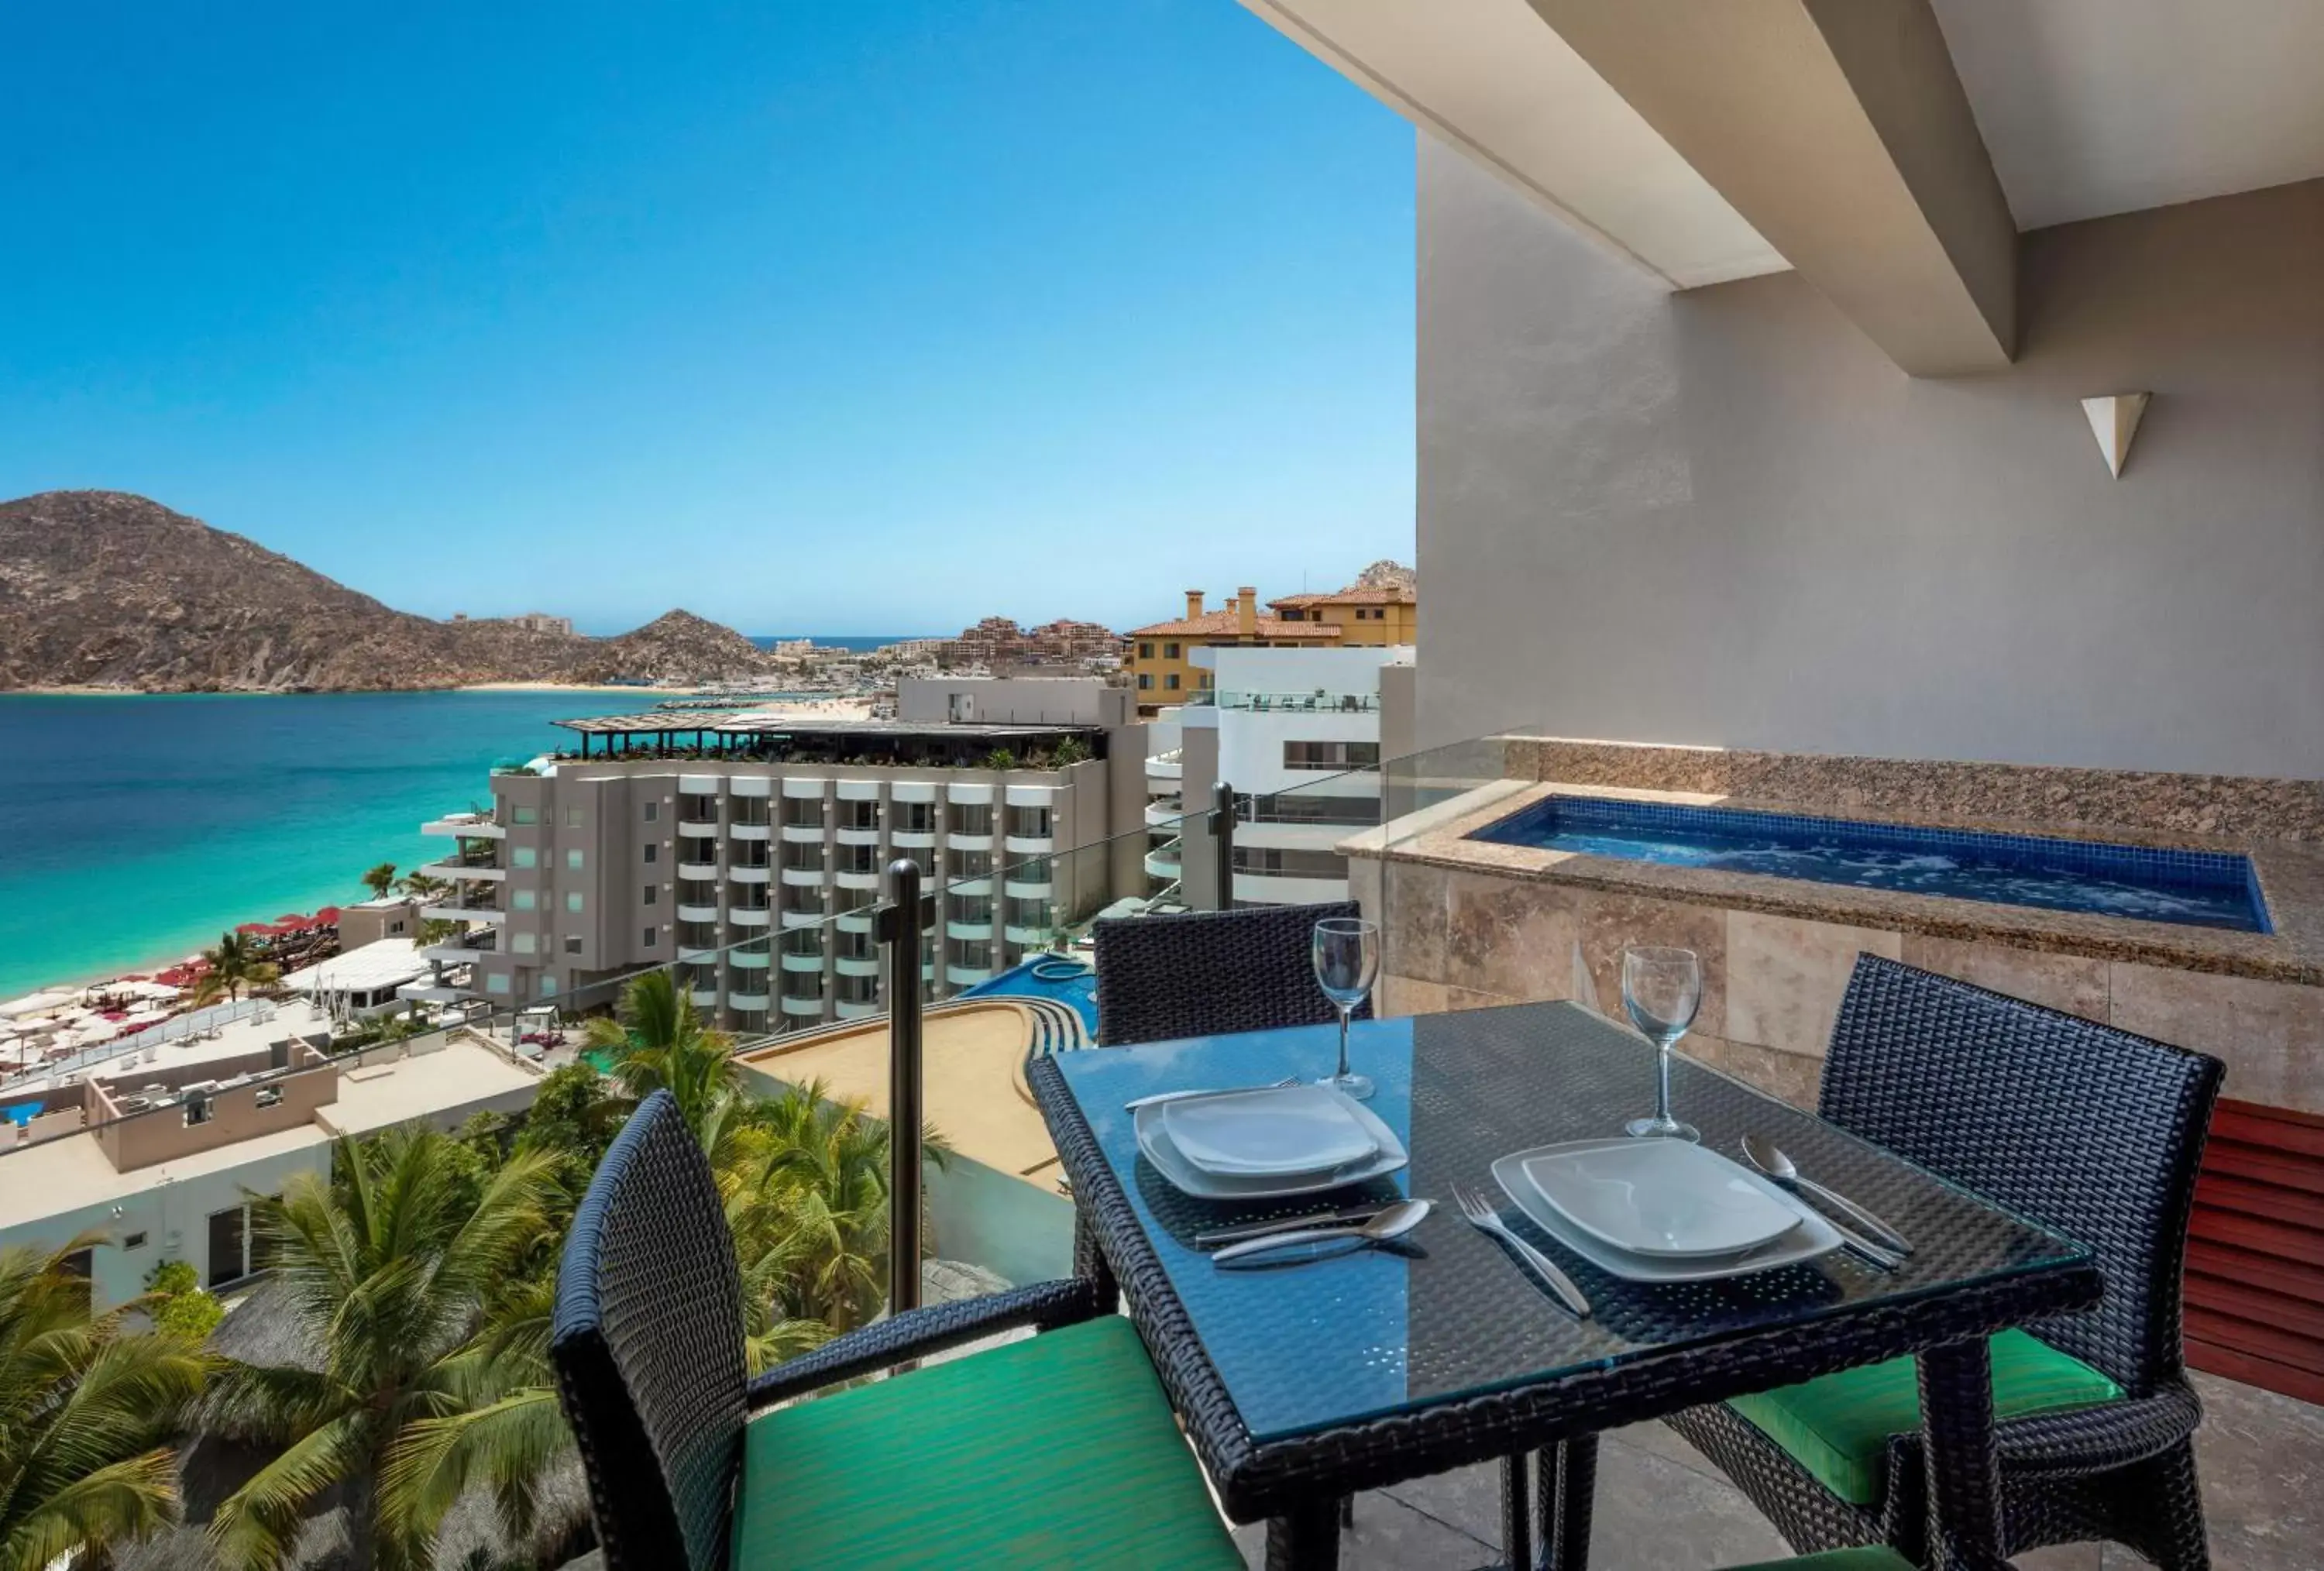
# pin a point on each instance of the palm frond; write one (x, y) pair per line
(256, 1526)
(105, 1509)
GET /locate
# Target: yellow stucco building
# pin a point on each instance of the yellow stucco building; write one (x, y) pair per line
(1158, 657)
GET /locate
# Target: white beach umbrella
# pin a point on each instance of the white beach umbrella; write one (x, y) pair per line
(37, 1003)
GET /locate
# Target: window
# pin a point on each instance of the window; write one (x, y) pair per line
(496, 982)
(1291, 863)
(200, 1109)
(527, 816)
(1171, 681)
(1304, 807)
(524, 943)
(134, 1241)
(549, 984)
(522, 900)
(523, 857)
(648, 942)
(653, 812)
(1145, 679)
(1292, 614)
(1170, 652)
(1204, 683)
(573, 860)
(653, 853)
(269, 1096)
(572, 943)
(573, 901)
(1331, 754)
(1145, 651)
(78, 1264)
(653, 894)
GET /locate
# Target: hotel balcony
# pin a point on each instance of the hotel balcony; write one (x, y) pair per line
(856, 965)
(1164, 810)
(698, 955)
(755, 1002)
(974, 931)
(703, 997)
(854, 921)
(700, 871)
(803, 834)
(814, 917)
(1162, 862)
(870, 836)
(746, 958)
(697, 913)
(457, 871)
(747, 873)
(802, 960)
(757, 832)
(463, 912)
(750, 916)
(857, 878)
(1028, 844)
(1166, 766)
(1029, 882)
(855, 1009)
(811, 1007)
(967, 975)
(464, 827)
(803, 877)
(1031, 936)
(464, 950)
(913, 839)
(699, 828)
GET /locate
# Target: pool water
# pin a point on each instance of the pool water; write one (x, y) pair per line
(2204, 888)
(1066, 979)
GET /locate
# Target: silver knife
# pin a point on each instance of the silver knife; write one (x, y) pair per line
(1354, 1214)
(1161, 1096)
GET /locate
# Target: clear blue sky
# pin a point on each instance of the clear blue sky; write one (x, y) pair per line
(845, 315)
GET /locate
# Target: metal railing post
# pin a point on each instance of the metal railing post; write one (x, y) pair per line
(1223, 842)
(900, 928)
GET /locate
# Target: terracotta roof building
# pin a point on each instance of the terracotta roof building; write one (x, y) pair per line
(1159, 657)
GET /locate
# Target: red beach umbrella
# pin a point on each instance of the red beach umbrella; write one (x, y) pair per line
(255, 929)
(328, 917)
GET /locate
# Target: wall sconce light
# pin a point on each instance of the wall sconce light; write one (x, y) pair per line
(2114, 420)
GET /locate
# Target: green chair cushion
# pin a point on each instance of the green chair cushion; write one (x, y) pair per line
(1837, 1425)
(1057, 1450)
(1879, 1558)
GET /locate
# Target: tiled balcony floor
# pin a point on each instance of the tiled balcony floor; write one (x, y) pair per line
(1661, 1507)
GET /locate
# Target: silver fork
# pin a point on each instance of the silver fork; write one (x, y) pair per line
(1486, 1219)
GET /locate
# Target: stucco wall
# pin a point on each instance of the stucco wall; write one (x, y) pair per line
(1724, 517)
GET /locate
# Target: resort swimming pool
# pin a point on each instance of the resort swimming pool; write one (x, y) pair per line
(1063, 978)
(2205, 889)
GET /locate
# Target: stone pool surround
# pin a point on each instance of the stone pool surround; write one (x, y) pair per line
(1468, 923)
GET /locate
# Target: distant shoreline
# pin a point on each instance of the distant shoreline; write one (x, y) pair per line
(72, 691)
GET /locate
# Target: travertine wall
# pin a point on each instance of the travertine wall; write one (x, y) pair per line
(1453, 939)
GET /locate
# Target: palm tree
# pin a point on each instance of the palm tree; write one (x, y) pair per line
(233, 965)
(419, 885)
(400, 1274)
(379, 880)
(657, 1042)
(87, 1414)
(805, 1184)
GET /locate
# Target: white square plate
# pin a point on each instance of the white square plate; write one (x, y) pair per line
(1279, 1132)
(1668, 1198)
(1388, 1156)
(1812, 1236)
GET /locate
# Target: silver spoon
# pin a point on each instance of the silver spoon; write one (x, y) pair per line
(1396, 1221)
(1769, 1159)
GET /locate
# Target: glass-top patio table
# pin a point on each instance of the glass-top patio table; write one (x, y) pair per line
(1304, 1384)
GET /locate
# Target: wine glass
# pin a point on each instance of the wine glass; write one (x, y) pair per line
(1347, 961)
(1662, 989)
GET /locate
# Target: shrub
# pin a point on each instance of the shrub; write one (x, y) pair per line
(183, 1308)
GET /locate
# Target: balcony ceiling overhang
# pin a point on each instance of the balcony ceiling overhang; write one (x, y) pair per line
(1887, 150)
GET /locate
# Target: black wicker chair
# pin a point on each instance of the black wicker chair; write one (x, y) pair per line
(1205, 973)
(1060, 1450)
(2084, 1128)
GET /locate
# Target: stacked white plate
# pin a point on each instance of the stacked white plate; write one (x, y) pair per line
(1662, 1210)
(1251, 1145)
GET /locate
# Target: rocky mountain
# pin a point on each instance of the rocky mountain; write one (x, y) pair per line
(101, 589)
(1386, 574)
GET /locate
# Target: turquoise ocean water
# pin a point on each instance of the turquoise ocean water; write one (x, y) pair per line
(135, 829)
